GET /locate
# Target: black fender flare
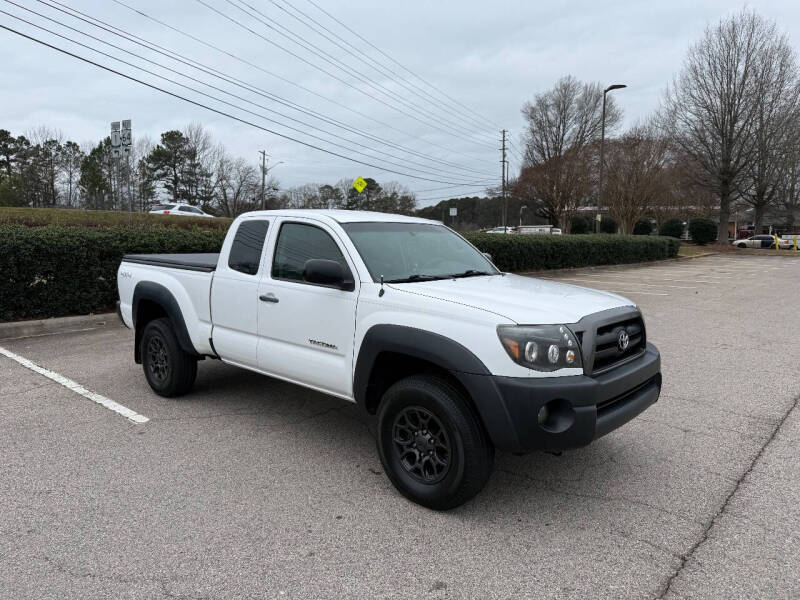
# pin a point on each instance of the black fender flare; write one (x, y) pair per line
(157, 293)
(447, 354)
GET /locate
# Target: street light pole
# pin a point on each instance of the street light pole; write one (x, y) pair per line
(616, 86)
(521, 208)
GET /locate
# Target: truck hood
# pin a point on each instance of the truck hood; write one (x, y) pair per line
(524, 300)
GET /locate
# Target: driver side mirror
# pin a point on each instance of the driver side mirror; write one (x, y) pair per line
(488, 257)
(328, 273)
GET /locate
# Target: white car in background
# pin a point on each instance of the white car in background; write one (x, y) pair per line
(762, 241)
(182, 210)
(506, 230)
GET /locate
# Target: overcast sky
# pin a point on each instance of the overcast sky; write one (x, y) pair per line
(489, 56)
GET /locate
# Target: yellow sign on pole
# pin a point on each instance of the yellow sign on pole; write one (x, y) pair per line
(360, 184)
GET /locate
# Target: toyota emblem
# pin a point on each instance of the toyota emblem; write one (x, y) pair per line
(623, 339)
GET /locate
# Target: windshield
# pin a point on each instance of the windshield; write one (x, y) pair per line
(401, 252)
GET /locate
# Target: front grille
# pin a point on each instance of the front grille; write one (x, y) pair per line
(607, 350)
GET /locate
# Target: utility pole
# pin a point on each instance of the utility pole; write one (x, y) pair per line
(505, 199)
(263, 154)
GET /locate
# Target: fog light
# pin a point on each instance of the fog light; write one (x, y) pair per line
(544, 414)
(552, 353)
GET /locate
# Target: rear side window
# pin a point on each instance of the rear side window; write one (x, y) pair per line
(298, 243)
(246, 249)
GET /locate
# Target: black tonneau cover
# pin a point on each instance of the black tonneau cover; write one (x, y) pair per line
(191, 262)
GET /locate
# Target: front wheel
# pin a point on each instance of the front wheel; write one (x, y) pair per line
(431, 444)
(742, 245)
(168, 369)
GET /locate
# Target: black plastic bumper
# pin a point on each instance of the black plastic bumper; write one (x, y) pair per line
(558, 413)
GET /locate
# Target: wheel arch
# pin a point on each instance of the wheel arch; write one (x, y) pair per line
(153, 301)
(389, 353)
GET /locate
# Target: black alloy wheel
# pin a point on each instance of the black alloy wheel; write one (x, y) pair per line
(158, 359)
(421, 444)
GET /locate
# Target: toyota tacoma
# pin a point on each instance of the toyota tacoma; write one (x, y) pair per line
(407, 319)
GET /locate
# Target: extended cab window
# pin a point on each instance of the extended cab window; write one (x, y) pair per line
(246, 249)
(298, 243)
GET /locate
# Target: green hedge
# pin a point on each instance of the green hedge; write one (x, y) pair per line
(53, 271)
(36, 217)
(57, 270)
(540, 252)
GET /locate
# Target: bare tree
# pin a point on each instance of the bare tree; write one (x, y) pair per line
(562, 125)
(776, 111)
(202, 156)
(636, 174)
(711, 108)
(789, 187)
(236, 185)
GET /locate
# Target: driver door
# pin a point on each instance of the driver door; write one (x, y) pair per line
(306, 330)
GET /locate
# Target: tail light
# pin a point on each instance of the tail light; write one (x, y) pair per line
(166, 212)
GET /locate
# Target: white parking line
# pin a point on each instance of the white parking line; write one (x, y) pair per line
(76, 387)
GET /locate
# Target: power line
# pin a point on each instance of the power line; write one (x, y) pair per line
(373, 46)
(172, 81)
(446, 187)
(177, 30)
(341, 65)
(451, 197)
(321, 69)
(215, 110)
(368, 60)
(229, 79)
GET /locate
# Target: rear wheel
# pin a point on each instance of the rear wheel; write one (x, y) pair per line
(432, 446)
(168, 369)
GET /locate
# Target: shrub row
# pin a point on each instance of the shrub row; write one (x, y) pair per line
(53, 270)
(540, 252)
(36, 217)
(57, 270)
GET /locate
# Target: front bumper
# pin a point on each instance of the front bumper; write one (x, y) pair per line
(559, 413)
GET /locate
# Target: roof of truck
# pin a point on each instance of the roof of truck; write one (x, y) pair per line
(341, 216)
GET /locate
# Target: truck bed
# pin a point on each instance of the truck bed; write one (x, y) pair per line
(206, 262)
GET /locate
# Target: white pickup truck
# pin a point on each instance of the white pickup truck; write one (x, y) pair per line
(409, 320)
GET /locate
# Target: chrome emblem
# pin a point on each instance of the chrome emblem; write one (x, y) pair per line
(623, 339)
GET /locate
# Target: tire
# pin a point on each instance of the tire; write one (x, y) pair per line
(432, 413)
(168, 369)
(742, 245)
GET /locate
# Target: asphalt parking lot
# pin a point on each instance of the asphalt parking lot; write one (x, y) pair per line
(253, 488)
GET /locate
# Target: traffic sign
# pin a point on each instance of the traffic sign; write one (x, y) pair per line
(453, 211)
(360, 184)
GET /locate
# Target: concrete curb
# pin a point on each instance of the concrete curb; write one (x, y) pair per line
(23, 329)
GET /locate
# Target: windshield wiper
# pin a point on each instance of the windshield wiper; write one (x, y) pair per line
(416, 277)
(470, 273)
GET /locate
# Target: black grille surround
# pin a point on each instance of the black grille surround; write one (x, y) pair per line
(599, 337)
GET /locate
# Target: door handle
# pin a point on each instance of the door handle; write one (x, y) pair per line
(268, 298)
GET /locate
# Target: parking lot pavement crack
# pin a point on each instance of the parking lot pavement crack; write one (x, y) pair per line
(667, 587)
(628, 536)
(61, 568)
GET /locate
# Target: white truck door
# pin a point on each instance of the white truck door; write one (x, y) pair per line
(305, 330)
(234, 294)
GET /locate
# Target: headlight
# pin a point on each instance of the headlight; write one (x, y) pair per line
(541, 347)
